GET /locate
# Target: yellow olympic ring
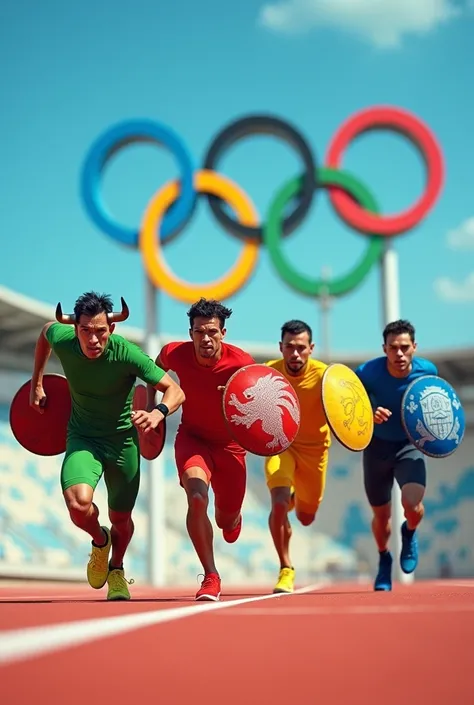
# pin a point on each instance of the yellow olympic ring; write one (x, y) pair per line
(205, 181)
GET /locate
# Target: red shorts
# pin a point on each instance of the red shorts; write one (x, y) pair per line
(225, 469)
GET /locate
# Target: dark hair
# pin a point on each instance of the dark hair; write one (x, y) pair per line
(209, 308)
(90, 304)
(296, 327)
(397, 328)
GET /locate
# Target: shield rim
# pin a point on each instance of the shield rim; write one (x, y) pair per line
(323, 386)
(405, 396)
(46, 375)
(229, 427)
(159, 449)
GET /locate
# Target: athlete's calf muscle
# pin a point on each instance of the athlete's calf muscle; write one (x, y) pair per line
(412, 496)
(381, 525)
(122, 531)
(195, 483)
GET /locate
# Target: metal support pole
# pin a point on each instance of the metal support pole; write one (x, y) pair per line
(325, 308)
(156, 470)
(391, 312)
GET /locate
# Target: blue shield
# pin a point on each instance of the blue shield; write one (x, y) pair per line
(433, 416)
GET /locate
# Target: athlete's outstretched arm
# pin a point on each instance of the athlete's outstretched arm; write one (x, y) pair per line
(173, 395)
(151, 390)
(42, 355)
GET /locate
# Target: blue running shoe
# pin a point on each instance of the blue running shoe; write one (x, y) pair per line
(409, 552)
(383, 580)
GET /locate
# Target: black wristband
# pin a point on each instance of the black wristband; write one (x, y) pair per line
(163, 408)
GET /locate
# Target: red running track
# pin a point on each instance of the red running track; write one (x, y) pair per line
(334, 645)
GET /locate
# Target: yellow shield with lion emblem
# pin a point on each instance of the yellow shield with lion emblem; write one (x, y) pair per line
(347, 407)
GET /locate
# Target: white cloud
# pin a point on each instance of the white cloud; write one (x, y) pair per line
(462, 237)
(380, 22)
(450, 290)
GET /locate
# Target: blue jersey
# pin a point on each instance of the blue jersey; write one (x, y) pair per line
(387, 391)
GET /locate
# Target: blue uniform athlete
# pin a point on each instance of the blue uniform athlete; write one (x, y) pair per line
(390, 455)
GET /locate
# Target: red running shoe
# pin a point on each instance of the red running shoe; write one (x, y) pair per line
(210, 589)
(232, 535)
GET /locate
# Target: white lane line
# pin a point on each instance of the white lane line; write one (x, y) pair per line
(357, 610)
(20, 644)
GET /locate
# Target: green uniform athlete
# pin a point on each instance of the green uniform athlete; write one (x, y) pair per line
(101, 368)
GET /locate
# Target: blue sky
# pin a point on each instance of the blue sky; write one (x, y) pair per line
(71, 70)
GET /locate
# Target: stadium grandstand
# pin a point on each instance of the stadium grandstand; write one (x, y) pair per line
(37, 540)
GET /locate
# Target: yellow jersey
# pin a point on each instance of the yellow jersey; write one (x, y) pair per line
(314, 430)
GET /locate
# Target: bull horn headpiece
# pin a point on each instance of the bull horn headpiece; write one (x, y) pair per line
(64, 317)
(115, 317)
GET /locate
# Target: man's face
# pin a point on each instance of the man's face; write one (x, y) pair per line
(399, 350)
(93, 334)
(207, 336)
(296, 349)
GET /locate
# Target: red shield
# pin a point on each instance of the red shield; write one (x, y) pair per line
(261, 409)
(152, 443)
(42, 434)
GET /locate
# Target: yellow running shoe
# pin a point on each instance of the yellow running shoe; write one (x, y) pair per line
(286, 580)
(117, 583)
(98, 566)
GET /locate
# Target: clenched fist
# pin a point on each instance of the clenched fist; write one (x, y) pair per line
(381, 415)
(38, 398)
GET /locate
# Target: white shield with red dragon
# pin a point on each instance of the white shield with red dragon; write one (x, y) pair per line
(268, 410)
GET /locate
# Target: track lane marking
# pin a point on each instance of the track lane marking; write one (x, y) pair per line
(355, 610)
(20, 644)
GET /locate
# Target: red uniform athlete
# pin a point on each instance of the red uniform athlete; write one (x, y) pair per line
(204, 450)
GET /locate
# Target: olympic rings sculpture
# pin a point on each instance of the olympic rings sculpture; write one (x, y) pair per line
(172, 206)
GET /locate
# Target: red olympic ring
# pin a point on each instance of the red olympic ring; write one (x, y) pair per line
(421, 136)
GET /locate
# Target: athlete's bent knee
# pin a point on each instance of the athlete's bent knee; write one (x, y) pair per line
(195, 484)
(412, 508)
(198, 502)
(197, 493)
(281, 497)
(412, 496)
(78, 501)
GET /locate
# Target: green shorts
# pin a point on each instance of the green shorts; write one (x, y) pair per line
(117, 457)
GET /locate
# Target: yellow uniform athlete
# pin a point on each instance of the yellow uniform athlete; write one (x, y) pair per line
(297, 477)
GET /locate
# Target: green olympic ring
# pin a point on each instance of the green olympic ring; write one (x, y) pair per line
(303, 284)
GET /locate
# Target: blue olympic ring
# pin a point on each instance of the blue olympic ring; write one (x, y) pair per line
(105, 147)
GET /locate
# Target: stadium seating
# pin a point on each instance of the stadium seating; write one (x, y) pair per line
(36, 535)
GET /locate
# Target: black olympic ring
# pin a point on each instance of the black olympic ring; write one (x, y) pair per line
(263, 125)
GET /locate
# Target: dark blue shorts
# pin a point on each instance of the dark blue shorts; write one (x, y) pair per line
(386, 461)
